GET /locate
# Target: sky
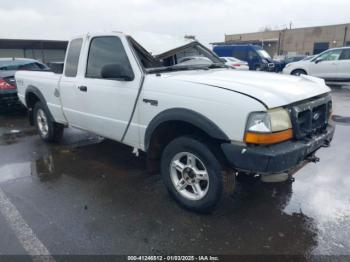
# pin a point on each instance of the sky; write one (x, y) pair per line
(208, 20)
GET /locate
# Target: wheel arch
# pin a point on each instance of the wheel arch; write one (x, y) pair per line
(176, 122)
(186, 116)
(32, 96)
(299, 69)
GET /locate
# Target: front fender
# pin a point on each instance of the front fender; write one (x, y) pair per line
(184, 115)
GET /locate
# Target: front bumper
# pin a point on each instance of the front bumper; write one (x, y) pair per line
(277, 158)
(286, 71)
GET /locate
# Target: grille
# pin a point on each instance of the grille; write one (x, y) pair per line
(311, 117)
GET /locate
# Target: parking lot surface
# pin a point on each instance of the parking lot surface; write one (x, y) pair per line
(88, 195)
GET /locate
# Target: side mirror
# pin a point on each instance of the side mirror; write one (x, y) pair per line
(318, 60)
(117, 72)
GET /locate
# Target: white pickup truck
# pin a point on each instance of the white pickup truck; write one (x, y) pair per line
(195, 118)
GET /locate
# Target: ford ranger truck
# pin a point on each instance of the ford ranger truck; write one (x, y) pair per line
(194, 118)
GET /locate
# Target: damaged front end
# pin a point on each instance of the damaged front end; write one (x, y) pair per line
(312, 129)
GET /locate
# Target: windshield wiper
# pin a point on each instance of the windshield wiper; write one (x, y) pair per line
(186, 67)
(177, 68)
(218, 65)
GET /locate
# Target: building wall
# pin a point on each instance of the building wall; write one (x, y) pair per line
(296, 41)
(11, 53)
(258, 36)
(302, 40)
(45, 55)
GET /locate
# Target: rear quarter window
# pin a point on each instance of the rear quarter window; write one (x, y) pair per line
(73, 54)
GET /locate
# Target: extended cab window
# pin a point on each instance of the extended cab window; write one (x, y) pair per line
(107, 51)
(71, 67)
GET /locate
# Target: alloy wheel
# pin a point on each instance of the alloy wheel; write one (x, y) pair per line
(189, 176)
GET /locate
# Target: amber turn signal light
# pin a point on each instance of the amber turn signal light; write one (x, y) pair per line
(268, 138)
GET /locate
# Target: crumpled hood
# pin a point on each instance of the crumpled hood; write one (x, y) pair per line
(272, 89)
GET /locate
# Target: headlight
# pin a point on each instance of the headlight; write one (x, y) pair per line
(268, 127)
(288, 65)
(259, 122)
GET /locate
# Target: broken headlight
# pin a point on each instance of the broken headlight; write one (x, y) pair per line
(268, 127)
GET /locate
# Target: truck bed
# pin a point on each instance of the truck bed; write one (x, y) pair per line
(47, 83)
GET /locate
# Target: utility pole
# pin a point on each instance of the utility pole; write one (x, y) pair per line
(345, 33)
(290, 25)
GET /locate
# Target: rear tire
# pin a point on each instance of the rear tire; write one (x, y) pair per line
(48, 130)
(298, 72)
(192, 174)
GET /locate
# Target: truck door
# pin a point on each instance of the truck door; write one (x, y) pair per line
(254, 59)
(344, 65)
(71, 102)
(108, 86)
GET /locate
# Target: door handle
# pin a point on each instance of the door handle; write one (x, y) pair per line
(82, 88)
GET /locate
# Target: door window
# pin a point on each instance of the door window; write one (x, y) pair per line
(71, 66)
(106, 50)
(331, 55)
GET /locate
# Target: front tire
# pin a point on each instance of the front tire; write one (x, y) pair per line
(192, 174)
(48, 130)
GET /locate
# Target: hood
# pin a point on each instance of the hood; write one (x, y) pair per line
(272, 89)
(157, 44)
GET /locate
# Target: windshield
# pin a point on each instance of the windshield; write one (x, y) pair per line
(193, 55)
(188, 57)
(263, 53)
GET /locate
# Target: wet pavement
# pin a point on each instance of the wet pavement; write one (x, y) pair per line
(93, 196)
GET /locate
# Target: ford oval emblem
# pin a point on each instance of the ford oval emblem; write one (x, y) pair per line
(316, 116)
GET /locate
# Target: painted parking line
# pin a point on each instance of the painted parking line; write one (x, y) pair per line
(23, 232)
